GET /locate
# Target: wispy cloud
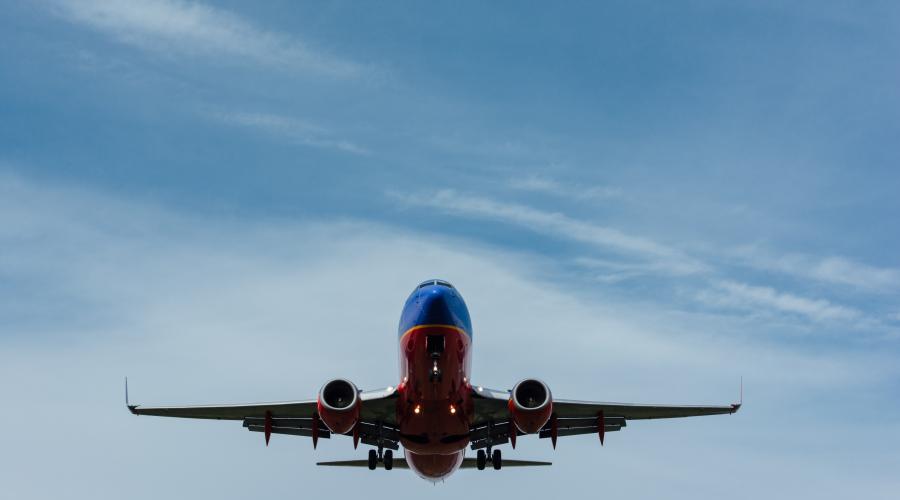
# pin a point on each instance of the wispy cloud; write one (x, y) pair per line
(667, 259)
(296, 130)
(832, 269)
(176, 27)
(749, 297)
(535, 183)
(611, 271)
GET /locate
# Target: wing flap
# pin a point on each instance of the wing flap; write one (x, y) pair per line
(577, 431)
(293, 431)
(470, 463)
(398, 463)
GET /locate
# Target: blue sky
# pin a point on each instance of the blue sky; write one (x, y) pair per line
(640, 202)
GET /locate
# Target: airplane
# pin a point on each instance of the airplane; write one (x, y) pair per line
(435, 412)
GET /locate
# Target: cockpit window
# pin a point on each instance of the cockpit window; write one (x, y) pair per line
(434, 282)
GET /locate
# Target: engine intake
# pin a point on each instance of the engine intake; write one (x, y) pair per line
(338, 405)
(530, 405)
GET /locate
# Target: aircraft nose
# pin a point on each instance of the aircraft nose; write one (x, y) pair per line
(436, 308)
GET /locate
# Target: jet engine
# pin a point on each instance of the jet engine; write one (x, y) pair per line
(530, 405)
(338, 405)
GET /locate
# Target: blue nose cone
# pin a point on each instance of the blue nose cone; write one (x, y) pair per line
(434, 307)
(435, 304)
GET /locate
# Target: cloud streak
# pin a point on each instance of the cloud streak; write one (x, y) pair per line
(292, 129)
(744, 296)
(666, 259)
(538, 184)
(835, 270)
(182, 28)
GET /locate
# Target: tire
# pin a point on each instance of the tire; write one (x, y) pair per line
(497, 460)
(388, 459)
(480, 459)
(373, 459)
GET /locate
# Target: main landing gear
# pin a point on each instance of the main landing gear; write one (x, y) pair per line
(481, 459)
(386, 457)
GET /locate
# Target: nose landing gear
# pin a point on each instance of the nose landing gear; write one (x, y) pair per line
(434, 344)
(435, 375)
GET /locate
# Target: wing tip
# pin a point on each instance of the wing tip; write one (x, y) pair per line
(131, 408)
(737, 406)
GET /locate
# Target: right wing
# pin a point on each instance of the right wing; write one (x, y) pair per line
(377, 416)
(571, 418)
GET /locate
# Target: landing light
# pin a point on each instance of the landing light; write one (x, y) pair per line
(417, 409)
(452, 410)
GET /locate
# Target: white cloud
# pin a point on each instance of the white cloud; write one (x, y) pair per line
(299, 131)
(833, 269)
(547, 185)
(610, 271)
(176, 27)
(743, 296)
(667, 259)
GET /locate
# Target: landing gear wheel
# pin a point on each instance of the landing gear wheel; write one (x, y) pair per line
(373, 459)
(388, 459)
(497, 460)
(480, 459)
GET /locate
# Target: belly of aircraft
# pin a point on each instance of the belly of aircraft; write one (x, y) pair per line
(435, 404)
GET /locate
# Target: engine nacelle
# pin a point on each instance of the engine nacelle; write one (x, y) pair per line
(338, 405)
(530, 405)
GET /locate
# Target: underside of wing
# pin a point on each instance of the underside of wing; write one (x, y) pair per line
(376, 426)
(398, 463)
(493, 423)
(471, 463)
(580, 409)
(230, 412)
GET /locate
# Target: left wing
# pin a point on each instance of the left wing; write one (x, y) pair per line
(298, 418)
(570, 418)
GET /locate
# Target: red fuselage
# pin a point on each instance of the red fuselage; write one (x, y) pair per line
(434, 408)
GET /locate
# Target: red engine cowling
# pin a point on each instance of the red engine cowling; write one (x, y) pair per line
(338, 405)
(530, 405)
